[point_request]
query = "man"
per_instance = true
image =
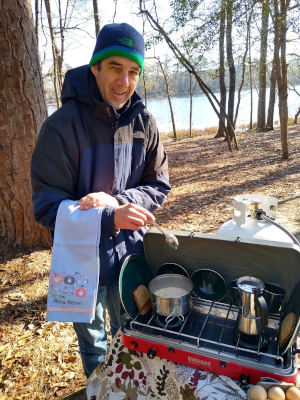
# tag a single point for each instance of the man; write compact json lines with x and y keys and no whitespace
{"x":102,"y":148}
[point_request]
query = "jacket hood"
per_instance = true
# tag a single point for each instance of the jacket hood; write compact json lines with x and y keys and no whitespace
{"x":76,"y":85}
{"x":80,"y":84}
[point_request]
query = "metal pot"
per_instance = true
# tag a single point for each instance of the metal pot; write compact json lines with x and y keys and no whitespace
{"x":233,"y":294}
{"x":175,"y":306}
{"x":274,"y":296}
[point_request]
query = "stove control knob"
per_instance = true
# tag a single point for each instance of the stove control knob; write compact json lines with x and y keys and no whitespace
{"x":133,"y":345}
{"x":244,"y":379}
{"x":151,"y":353}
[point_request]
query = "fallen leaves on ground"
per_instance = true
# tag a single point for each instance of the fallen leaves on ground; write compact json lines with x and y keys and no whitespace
{"x":39,"y":359}
{"x":206,"y":177}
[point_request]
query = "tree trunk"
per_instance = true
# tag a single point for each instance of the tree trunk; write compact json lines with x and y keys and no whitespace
{"x":222,"y":71}
{"x":169,"y":98}
{"x":284,"y":4}
{"x":296,"y":116}
{"x":55,"y":54}
{"x":96,"y":17}
{"x":116,"y":4}
{"x":248,"y":22}
{"x":261,"y":108}
{"x":281,"y":71}
{"x":145,"y":87}
{"x":251,"y":88}
{"x":270,"y":118}
{"x":191,"y":105}
{"x":231,"y":66}
{"x":144,"y":76}
{"x":23,"y":110}
{"x":37,"y":22}
{"x":61,"y":54}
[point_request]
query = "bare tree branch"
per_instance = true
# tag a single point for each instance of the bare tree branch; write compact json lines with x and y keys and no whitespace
{"x":116,"y":3}
{"x":189,"y":67}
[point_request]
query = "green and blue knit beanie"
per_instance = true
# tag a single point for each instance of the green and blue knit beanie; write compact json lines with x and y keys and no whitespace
{"x":119,"y":40}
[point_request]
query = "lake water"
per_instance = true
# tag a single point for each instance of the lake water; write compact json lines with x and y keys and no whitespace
{"x":203,"y":113}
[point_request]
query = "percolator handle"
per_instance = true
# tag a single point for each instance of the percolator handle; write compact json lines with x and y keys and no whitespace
{"x":262,"y":305}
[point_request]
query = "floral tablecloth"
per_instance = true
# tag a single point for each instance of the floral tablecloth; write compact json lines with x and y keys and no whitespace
{"x":126,"y":374}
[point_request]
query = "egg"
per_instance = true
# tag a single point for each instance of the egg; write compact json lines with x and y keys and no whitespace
{"x":292,"y":394}
{"x":258,"y":393}
{"x":276,"y":393}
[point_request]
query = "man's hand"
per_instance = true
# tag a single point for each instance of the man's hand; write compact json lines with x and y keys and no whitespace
{"x":127,"y":216}
{"x":98,"y":199}
{"x":131,"y":216}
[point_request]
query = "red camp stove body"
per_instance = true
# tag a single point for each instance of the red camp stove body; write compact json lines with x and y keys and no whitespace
{"x":217,"y":349}
{"x":208,"y":338}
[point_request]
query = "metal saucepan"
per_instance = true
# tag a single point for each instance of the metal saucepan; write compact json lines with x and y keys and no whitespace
{"x":274,"y":296}
{"x":233,"y":293}
{"x":163,"y":291}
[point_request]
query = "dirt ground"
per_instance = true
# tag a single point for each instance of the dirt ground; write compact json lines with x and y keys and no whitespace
{"x":39,"y":359}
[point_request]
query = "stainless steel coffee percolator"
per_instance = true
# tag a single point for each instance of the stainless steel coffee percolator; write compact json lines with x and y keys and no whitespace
{"x":253,"y":310}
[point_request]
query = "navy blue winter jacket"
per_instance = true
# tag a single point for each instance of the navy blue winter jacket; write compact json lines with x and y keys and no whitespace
{"x":86,"y":147}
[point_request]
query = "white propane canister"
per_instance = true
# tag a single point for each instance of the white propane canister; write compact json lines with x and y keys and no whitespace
{"x":245,"y":225}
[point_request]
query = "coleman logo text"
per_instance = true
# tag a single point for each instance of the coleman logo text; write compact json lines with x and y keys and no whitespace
{"x":199,"y":362}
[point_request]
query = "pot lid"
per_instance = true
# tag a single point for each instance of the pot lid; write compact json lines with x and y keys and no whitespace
{"x":208,"y":285}
{"x":171,"y":268}
{"x":293,"y":305}
{"x":135,"y":271}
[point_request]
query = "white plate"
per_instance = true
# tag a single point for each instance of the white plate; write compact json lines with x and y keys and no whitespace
{"x":293,"y":337}
{"x":248,"y":394}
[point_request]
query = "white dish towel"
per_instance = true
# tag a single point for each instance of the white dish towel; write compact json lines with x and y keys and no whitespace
{"x":75,"y":266}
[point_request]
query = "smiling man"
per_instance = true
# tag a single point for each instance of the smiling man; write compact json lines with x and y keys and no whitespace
{"x":102,"y":148}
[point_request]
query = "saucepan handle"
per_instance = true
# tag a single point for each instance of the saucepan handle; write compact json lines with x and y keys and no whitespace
{"x":173,"y":313}
{"x":228,"y":295}
{"x":283,"y":304}
{"x":170,"y":317}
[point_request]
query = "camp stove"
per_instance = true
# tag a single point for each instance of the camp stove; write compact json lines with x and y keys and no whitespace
{"x":208,"y":338}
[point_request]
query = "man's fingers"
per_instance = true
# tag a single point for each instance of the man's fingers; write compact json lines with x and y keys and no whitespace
{"x":85,"y":200}
{"x":98,"y":199}
{"x":137,"y":216}
{"x":127,"y":216}
{"x":144,"y":212}
{"x":138,"y":221}
{"x":131,"y":216}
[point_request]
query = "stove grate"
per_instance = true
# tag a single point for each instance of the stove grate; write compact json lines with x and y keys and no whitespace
{"x":216,"y":318}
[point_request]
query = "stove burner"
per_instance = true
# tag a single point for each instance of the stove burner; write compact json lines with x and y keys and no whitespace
{"x":251,"y":341}
{"x":161,"y":321}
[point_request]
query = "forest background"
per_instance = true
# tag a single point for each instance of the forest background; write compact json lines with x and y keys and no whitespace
{"x":193,"y":47}
{"x":229,"y":46}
